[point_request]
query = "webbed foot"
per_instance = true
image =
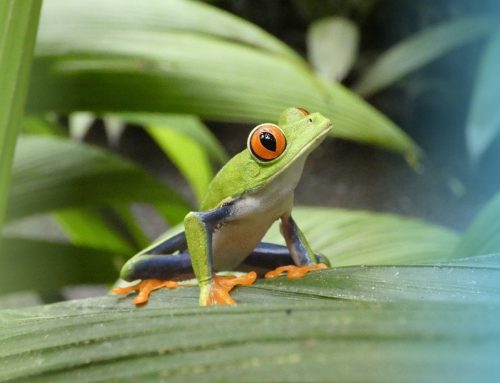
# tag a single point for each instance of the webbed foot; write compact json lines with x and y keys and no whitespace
{"x":294,"y":272}
{"x":144,"y":289}
{"x":217,"y":292}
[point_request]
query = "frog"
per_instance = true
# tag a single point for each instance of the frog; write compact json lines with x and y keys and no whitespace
{"x":251,"y":191}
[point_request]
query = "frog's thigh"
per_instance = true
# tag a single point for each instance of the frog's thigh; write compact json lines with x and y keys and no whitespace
{"x":145,"y":262}
{"x":164,"y":267}
{"x":200,"y":227}
{"x":268,"y":256}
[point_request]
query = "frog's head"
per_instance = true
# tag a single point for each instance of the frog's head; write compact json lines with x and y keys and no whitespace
{"x":275,"y":147}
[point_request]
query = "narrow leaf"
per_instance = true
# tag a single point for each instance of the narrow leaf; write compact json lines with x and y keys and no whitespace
{"x":187,"y":156}
{"x":18,"y":26}
{"x":188,"y":125}
{"x":332,"y":45}
{"x":483,"y":123}
{"x":53,"y":174}
{"x":483,"y":234}
{"x":420,"y":49}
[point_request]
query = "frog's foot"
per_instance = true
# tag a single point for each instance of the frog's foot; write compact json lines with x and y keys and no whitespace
{"x":144,"y":289}
{"x":222,"y":285}
{"x":294,"y":272}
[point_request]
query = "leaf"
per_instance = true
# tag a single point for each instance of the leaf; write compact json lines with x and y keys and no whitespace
{"x":18,"y":26}
{"x":53,"y":174}
{"x":286,"y":337}
{"x":349,"y":237}
{"x":43,"y":266}
{"x":41,"y":126}
{"x":483,"y":122}
{"x":89,"y":228}
{"x":161,"y":16}
{"x":483,"y":234}
{"x":184,"y":139}
{"x":420,"y":49}
{"x":188,"y":125}
{"x":332,"y":44}
{"x":124,"y":65}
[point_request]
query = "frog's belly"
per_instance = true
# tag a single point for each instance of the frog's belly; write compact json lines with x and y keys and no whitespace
{"x":239,"y":236}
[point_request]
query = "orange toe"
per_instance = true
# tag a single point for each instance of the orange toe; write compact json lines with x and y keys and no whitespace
{"x":144,"y":289}
{"x":222,"y":285}
{"x":294,"y":272}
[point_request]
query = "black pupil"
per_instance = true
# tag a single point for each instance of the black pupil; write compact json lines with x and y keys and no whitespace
{"x":268,"y":141}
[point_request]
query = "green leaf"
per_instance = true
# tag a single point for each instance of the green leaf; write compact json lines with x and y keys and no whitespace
{"x":350,"y":237}
{"x":160,"y":16}
{"x":184,"y":139}
{"x":41,"y":126}
{"x":54,"y":174}
{"x":90,"y":228}
{"x":332,"y":45}
{"x":188,"y":157}
{"x":420,"y":49}
{"x":483,"y":234}
{"x":188,"y":125}
{"x":287,"y":336}
{"x":18,"y":26}
{"x":43,"y":266}
{"x":483,"y":123}
{"x":123,"y":65}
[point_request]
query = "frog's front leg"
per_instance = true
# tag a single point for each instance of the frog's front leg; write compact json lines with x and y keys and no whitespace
{"x":200,"y":227}
{"x":301,"y":253}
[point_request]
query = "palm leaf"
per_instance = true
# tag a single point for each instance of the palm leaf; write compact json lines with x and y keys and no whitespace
{"x":289,"y":335}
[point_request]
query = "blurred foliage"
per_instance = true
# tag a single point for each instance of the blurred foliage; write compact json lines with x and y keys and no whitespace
{"x":154,"y":66}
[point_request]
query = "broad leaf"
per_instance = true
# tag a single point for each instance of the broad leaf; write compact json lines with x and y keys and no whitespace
{"x":483,"y":124}
{"x":53,"y":174}
{"x":332,"y":45}
{"x":18,"y":26}
{"x":483,"y":234}
{"x":420,"y":49}
{"x":100,"y":66}
{"x":289,"y":336}
{"x":42,"y":266}
{"x":350,"y":237}
{"x":90,"y":228}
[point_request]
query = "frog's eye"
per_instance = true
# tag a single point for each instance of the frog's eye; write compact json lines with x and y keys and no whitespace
{"x":303,"y":111}
{"x":266,"y":142}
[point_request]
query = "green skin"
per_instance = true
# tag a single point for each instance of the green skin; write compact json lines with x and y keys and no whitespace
{"x":243,"y":201}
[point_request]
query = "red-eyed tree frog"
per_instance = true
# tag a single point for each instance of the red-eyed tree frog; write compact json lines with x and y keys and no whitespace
{"x":254,"y":189}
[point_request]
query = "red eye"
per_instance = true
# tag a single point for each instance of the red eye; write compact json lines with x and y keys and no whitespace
{"x":266,"y":142}
{"x":304,"y":112}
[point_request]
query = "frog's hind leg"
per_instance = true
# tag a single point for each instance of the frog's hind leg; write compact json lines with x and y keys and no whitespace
{"x":303,"y":258}
{"x":270,"y":256}
{"x":157,"y":267}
